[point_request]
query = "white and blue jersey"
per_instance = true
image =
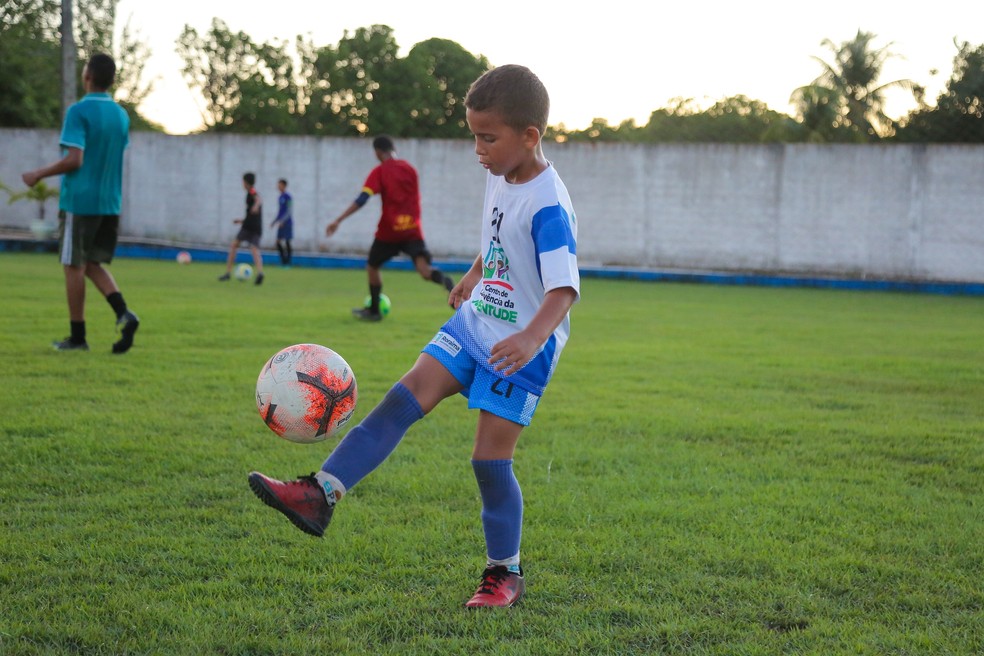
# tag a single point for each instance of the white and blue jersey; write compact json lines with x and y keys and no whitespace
{"x":529,"y":247}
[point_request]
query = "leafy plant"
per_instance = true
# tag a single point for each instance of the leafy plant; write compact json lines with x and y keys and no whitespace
{"x":39,"y":193}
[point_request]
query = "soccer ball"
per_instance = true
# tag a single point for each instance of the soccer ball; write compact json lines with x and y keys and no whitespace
{"x":244,"y":272}
{"x":384,"y":304}
{"x":306,"y":393}
{"x":183,"y":257}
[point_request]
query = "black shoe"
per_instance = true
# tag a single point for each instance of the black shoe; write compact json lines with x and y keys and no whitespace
{"x":128,"y":324}
{"x":259,"y":279}
{"x":225,"y":276}
{"x":366,"y":314}
{"x":68,"y":345}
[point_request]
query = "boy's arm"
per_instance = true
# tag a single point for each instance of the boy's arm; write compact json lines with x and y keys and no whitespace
{"x":513,"y":352}
{"x":462,"y":291}
{"x":282,"y":213}
{"x":349,"y":211}
{"x":70,"y":162}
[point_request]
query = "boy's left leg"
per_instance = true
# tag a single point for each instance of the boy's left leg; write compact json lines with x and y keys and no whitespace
{"x":257,"y":262}
{"x":427,"y":271}
{"x":230,"y":260}
{"x":126,"y":321}
{"x":502,"y":511}
{"x":309,"y":501}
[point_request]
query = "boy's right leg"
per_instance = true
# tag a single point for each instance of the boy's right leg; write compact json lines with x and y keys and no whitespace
{"x":230,"y":260}
{"x":309,"y":501}
{"x":75,"y":295}
{"x":372,"y":312}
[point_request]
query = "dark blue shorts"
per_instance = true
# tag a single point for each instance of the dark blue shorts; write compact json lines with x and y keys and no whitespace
{"x":285,"y":230}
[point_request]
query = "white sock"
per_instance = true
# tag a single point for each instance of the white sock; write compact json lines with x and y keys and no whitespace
{"x":512,"y":563}
{"x":331,"y":486}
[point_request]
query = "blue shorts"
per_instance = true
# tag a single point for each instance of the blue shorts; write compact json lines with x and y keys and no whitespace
{"x":484,"y":389}
{"x":285,"y":229}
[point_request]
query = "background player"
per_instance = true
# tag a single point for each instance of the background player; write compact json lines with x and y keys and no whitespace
{"x":94,"y":135}
{"x":284,"y":223}
{"x":399,"y":229}
{"x":250,"y":230}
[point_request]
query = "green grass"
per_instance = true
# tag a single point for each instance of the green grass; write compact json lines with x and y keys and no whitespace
{"x":714,"y":470}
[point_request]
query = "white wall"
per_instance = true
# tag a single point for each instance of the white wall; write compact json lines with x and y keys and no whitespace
{"x":882,"y":211}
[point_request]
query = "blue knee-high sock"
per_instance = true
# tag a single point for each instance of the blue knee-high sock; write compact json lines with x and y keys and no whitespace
{"x":502,"y":507}
{"x":367,"y":445}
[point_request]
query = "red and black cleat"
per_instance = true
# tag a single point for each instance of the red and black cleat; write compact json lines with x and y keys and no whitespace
{"x":499,"y":588}
{"x":302,"y":500}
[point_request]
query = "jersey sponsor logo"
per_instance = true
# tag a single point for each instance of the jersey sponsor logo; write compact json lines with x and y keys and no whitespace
{"x":447,"y":343}
{"x":404,"y":222}
{"x":496,"y":289}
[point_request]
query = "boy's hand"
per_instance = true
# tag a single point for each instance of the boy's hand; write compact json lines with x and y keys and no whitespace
{"x":331,"y":228}
{"x":30,"y":178}
{"x":461,"y":292}
{"x":237,"y":221}
{"x":513,"y":352}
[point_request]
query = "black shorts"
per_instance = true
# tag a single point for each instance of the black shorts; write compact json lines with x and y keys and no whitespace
{"x":88,"y":239}
{"x":383,"y":251}
{"x":250,"y":237}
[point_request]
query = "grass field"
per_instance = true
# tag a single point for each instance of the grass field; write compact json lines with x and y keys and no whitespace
{"x":713,"y":470}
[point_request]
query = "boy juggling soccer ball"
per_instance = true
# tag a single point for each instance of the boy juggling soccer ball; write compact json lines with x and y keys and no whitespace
{"x":500,"y":347}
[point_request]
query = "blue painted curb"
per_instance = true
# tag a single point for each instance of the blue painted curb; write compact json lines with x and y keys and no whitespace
{"x":150,"y":251}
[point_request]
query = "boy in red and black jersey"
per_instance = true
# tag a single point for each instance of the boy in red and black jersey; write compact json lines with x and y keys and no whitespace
{"x":399,"y":229}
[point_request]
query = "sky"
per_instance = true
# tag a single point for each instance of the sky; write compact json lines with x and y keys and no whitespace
{"x":606,"y":60}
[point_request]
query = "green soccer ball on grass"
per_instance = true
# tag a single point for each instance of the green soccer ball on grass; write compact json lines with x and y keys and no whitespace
{"x":384,"y":304}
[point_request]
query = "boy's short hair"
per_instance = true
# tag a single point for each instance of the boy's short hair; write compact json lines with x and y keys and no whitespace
{"x":513,"y":92}
{"x":384,"y":144}
{"x":249,"y":178}
{"x":102,"y":70}
{"x":283,"y":181}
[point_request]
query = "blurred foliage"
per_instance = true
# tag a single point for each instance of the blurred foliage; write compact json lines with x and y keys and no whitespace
{"x":30,"y":49}
{"x":361,"y":86}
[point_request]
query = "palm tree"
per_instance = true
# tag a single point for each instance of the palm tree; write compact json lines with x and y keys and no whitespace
{"x":854,"y":76}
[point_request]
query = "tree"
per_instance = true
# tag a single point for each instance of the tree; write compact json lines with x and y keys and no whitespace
{"x":737,"y":119}
{"x":362,"y":86}
{"x":959,"y":110}
{"x":346,"y":77}
{"x":443,"y":73}
{"x":820,"y":121}
{"x":854,"y":75}
{"x":30,"y":86}
{"x":30,"y":51}
{"x":247,"y":87}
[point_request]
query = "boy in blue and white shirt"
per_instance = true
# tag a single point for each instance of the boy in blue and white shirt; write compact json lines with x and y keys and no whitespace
{"x":499,"y":349}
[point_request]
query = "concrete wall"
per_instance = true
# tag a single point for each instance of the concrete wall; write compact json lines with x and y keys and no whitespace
{"x":884,"y":211}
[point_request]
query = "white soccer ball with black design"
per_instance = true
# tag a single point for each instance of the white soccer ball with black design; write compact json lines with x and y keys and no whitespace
{"x":244,"y":272}
{"x":306,"y":393}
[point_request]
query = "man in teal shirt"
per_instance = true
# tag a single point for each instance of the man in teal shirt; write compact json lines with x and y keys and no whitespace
{"x":94,"y":135}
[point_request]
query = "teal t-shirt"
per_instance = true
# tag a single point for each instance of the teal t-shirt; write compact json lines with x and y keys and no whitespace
{"x":100,"y":129}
